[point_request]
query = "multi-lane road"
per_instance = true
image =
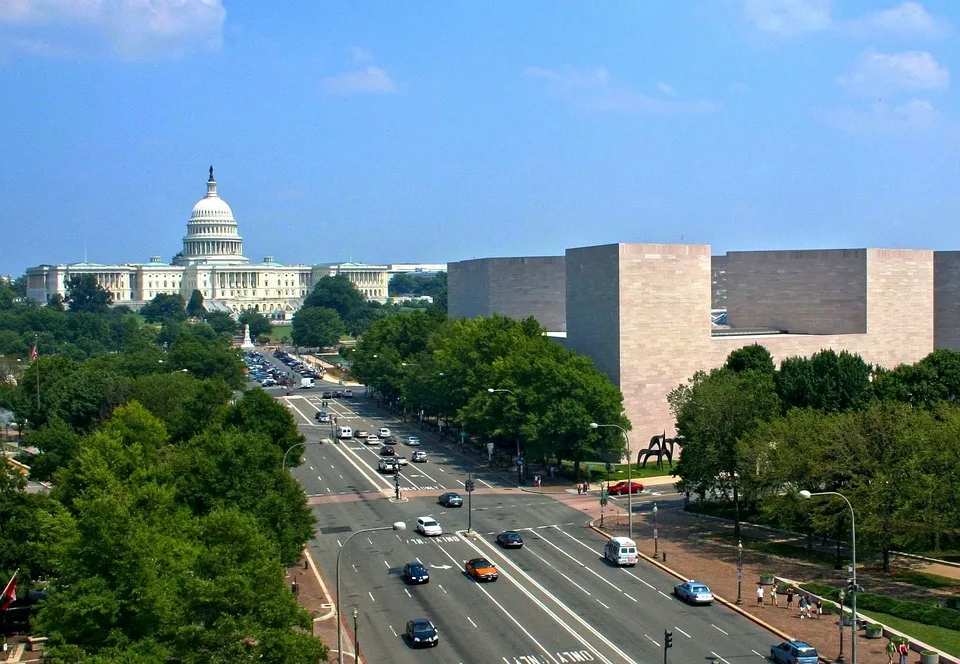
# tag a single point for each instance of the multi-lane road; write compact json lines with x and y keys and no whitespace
{"x":556,"y":601}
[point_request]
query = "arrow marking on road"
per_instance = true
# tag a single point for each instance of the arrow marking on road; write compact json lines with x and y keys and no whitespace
{"x":441,"y":566}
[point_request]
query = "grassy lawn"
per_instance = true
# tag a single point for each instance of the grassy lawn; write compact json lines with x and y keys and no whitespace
{"x":280,"y":334}
{"x":947,"y":640}
{"x":619,"y":470}
{"x":785,"y":550}
{"x":924,"y":580}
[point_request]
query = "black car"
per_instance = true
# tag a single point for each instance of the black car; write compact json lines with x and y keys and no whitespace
{"x":421,"y":632}
{"x":415,"y":573}
{"x":509,"y":539}
{"x":451,"y":499}
{"x":386,"y":450}
{"x":338,"y":394}
{"x":327,"y":395}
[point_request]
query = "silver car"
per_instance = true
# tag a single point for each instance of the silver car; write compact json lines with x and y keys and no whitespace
{"x":693,"y":592}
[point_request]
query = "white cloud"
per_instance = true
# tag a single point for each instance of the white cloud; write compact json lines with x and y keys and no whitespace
{"x":788,"y":17}
{"x":882,"y":117}
{"x":907,"y":18}
{"x":666,"y":88}
{"x":596,"y":90}
{"x":128,"y":28}
{"x":369,"y":80}
{"x":876,"y":72}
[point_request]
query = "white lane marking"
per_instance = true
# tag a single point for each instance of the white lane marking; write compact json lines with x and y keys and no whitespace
{"x":408,"y":593}
{"x":545,"y":593}
{"x":471,"y":622}
{"x":310,"y":467}
{"x":489,"y":486}
{"x":354,"y":568}
{"x":719,"y":630}
{"x":685,"y":634}
{"x":344,"y":453}
{"x":443,"y":589}
{"x":757,"y":654}
{"x":371,"y":596}
{"x":329,"y":490}
{"x":291,"y":406}
{"x":628,"y":597}
{"x":535,"y":555}
{"x":603,"y":605}
{"x":600,"y":553}
{"x":665,"y":594}
{"x":582,"y":565}
{"x":719,"y":657}
{"x":651,"y":641}
{"x":387,"y":564}
{"x":392,"y":630}
{"x":319,"y":479}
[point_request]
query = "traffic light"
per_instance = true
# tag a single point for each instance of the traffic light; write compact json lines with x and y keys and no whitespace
{"x":851,"y":585}
{"x":667,"y":639}
{"x":469,"y":486}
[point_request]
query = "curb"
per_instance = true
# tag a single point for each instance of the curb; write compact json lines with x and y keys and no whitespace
{"x":672,"y":572}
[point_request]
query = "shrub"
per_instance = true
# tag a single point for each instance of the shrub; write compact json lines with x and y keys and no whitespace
{"x":927,"y":613}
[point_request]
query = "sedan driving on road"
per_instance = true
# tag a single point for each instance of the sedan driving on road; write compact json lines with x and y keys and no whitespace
{"x":400,"y":460}
{"x":623,"y":488}
{"x":510,"y":540}
{"x":794,"y":652}
{"x":693,"y":592}
{"x":415,"y":573}
{"x":421,"y":632}
{"x":451,"y":499}
{"x":371,"y":440}
{"x":413,"y":441}
{"x":362,"y":433}
{"x":384,"y":432}
{"x":386,"y":450}
{"x":388,"y":466}
{"x":481,"y":569}
{"x":419,"y":456}
{"x":428,"y":526}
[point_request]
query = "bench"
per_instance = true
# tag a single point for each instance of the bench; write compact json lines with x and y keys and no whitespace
{"x":35,"y":643}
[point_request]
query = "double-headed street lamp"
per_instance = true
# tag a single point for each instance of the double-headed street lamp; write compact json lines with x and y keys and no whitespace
{"x":594,"y":425}
{"x":399,"y":525}
{"x":806,"y":495}
{"x":493,"y":390}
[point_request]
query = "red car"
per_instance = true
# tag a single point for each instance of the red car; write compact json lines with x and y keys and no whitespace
{"x":623,"y":488}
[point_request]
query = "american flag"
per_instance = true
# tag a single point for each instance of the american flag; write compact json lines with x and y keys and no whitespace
{"x":33,"y":351}
{"x":9,"y":595}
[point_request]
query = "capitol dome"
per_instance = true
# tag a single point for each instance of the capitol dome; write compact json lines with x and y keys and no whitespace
{"x":212,"y":235}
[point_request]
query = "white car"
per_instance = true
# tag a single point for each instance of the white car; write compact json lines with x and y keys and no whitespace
{"x":428,"y":526}
{"x":372,"y":440}
{"x":413,"y":441}
{"x":401,"y":460}
{"x":384,"y":432}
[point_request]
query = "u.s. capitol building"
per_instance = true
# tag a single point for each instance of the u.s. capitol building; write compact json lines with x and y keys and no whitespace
{"x":213,"y":263}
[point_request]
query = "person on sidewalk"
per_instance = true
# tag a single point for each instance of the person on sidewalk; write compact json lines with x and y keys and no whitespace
{"x":891,"y":651}
{"x":579,"y":489}
{"x":819,"y":608}
{"x":773,"y":595}
{"x":803,"y":606}
{"x":760,"y":595}
{"x":790,"y":598}
{"x":904,"y":652}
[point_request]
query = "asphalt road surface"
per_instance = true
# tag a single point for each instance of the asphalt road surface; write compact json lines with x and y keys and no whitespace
{"x":556,"y":601}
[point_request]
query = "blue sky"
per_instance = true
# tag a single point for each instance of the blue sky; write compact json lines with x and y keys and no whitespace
{"x":411,"y":131}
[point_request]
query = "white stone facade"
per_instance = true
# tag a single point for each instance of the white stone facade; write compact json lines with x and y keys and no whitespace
{"x":213,"y":263}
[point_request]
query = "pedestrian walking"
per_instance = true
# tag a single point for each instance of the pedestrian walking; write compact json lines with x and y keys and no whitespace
{"x":579,"y":489}
{"x":904,"y":652}
{"x":790,"y":598}
{"x":760,"y":595}
{"x":819,"y":608}
{"x":773,"y":595}
{"x":803,"y":607}
{"x":891,"y":651}
{"x":536,"y":480}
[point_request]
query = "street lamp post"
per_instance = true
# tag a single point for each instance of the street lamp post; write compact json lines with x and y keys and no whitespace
{"x":356,"y":636}
{"x":739,"y":572}
{"x":399,"y":525}
{"x":655,"y":530}
{"x":594,"y":425}
{"x":806,"y":495}
{"x":840,"y":656}
{"x":492,"y":390}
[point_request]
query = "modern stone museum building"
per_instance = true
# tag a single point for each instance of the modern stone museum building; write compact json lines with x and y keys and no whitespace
{"x":642,"y":312}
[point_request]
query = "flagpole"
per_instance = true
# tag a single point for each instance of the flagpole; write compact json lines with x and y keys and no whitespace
{"x":36,"y":361}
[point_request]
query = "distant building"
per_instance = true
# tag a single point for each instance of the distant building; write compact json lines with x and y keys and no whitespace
{"x":212,"y":262}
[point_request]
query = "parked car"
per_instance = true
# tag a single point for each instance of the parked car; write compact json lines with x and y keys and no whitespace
{"x":413,"y":441}
{"x":509,"y":539}
{"x":480,"y":569}
{"x":419,"y":456}
{"x":693,"y":592}
{"x":422,"y":633}
{"x":794,"y":652}
{"x":428,"y":526}
{"x":415,"y":573}
{"x":623,"y":488}
{"x":451,"y":499}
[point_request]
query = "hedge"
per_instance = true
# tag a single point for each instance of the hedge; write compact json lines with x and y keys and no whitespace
{"x":927,"y":613}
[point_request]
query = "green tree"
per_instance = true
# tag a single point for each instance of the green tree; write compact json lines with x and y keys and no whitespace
{"x":402,"y":283}
{"x":714,"y":412}
{"x":56,"y":302}
{"x":317,"y":327}
{"x":337,"y":293}
{"x":163,"y":308}
{"x":258,"y":412}
{"x":827,"y":381}
{"x":259,"y":325}
{"x":206,"y":357}
{"x":195,"y":305}
{"x":84,"y":294}
{"x":221,"y":322}
{"x":751,"y":358}
{"x":183,"y":403}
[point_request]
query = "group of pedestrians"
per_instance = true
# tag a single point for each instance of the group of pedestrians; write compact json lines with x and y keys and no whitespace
{"x":808,"y":608}
{"x":582,"y":488}
{"x":901,"y":651}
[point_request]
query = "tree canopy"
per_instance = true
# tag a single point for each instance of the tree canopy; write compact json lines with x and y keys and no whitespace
{"x":165,"y":307}
{"x":85,"y":295}
{"x":317,"y":327}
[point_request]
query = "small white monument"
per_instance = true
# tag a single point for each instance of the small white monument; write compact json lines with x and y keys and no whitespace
{"x":247,"y":344}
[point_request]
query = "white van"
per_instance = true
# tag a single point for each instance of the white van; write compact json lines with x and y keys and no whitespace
{"x":306,"y":383}
{"x":621,"y":551}
{"x":344,"y":432}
